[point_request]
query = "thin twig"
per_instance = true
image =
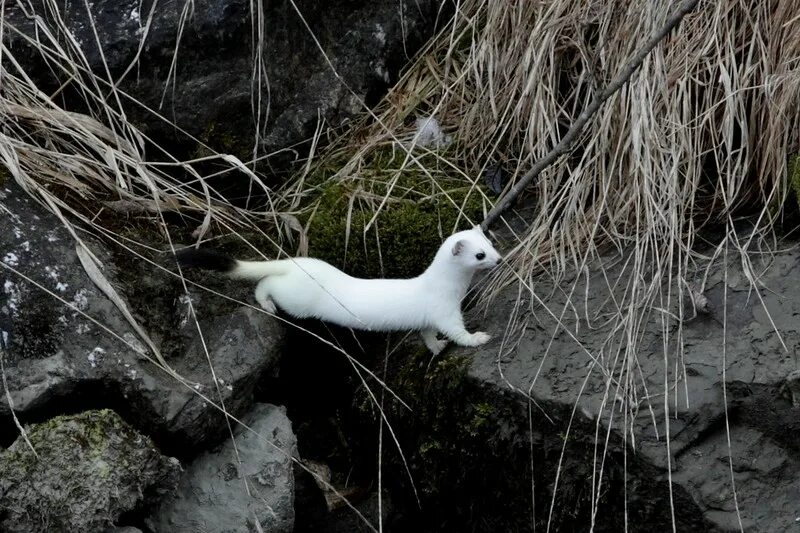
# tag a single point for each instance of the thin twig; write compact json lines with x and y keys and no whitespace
{"x":565,"y":144}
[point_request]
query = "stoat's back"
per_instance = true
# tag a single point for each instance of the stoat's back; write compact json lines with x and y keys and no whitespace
{"x":375,"y":304}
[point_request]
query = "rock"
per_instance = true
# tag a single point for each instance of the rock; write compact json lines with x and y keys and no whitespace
{"x":60,"y":360}
{"x":344,"y":520}
{"x":209,"y":93}
{"x":557,"y":367}
{"x":91,"y":468}
{"x":212,"y":496}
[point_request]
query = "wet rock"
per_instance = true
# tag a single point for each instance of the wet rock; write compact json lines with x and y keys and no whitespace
{"x":212,"y":495}
{"x":91,"y":468}
{"x":58,"y":359}
{"x":209,"y":92}
{"x":561,"y":365}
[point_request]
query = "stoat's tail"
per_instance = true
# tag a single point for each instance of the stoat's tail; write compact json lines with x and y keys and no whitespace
{"x":210,"y":260}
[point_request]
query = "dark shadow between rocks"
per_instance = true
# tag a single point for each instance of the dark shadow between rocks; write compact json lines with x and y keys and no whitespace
{"x":99,"y":394}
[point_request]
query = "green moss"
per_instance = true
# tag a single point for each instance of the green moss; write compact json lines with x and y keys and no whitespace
{"x":53,"y":438}
{"x":88,"y":469}
{"x":454,"y":438}
{"x":400,"y":242}
{"x":222,"y":139}
{"x":430,"y":446}
{"x":89,"y":429}
{"x":481,"y":414}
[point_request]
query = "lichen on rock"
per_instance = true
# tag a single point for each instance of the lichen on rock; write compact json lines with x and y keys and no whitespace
{"x":91,"y":468}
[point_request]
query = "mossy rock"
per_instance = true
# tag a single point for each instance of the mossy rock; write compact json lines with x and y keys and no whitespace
{"x":458,"y":441}
{"x":418,"y":214}
{"x":88,"y":469}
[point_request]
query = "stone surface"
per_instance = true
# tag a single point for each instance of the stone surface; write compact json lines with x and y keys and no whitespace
{"x":568,"y":365}
{"x":209,"y":92}
{"x":58,"y":360}
{"x":212,"y":494}
{"x":91,"y":468}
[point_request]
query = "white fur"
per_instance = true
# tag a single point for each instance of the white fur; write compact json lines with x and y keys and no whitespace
{"x":310,"y":288}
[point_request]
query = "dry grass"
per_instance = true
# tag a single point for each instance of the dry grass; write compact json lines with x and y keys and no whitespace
{"x":698,"y":137}
{"x":701,"y":132}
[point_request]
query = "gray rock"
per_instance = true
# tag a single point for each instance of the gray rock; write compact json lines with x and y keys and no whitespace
{"x":91,"y":468}
{"x":57,"y":356}
{"x":210,"y":92}
{"x":562,"y":364}
{"x":212,"y":494}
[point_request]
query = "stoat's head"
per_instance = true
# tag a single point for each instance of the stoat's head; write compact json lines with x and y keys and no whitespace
{"x":471,"y":250}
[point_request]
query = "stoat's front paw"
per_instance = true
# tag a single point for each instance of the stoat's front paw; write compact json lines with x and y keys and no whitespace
{"x":480,"y":337}
{"x":268,"y":306}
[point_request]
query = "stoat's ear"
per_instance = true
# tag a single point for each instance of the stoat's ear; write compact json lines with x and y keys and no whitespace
{"x":458,"y":247}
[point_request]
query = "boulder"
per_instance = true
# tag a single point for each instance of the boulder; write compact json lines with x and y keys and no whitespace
{"x":229,"y":488}
{"x":569,"y":365}
{"x":209,"y":89}
{"x":72,"y":349}
{"x":86,"y":471}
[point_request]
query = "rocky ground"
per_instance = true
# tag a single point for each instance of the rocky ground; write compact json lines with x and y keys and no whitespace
{"x":538,"y":427}
{"x":514,"y":410}
{"x":753,"y":338}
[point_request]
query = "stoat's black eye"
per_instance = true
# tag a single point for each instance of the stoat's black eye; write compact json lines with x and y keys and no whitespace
{"x":479,"y":256}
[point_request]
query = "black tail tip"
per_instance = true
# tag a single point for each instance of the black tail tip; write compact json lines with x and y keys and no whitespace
{"x":205,"y":259}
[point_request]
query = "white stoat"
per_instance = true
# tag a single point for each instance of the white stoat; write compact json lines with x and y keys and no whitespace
{"x":311,"y":288}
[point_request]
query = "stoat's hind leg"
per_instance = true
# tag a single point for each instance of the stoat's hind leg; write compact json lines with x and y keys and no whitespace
{"x":262,"y":297}
{"x":434,"y":345}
